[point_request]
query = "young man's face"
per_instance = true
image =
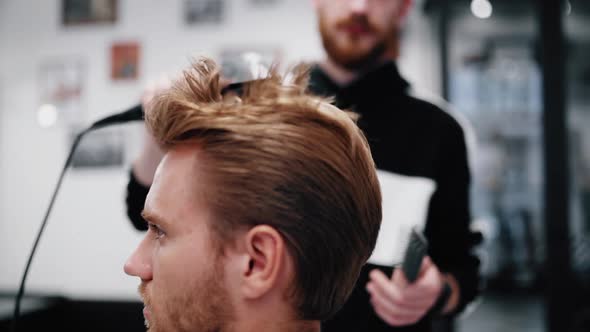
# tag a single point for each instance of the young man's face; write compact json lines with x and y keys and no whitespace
{"x":181,"y":271}
{"x":357,"y":32}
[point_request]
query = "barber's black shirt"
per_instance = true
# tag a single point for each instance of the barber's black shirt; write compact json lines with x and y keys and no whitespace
{"x":413,"y":138}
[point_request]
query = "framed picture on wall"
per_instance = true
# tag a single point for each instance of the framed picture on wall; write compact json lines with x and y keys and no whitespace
{"x":99,"y":149}
{"x":61,"y":89}
{"x":125,"y":61}
{"x":204,"y":11}
{"x":79,"y":12}
{"x":246,"y":63}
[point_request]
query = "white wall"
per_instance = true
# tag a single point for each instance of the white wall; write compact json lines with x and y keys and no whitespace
{"x":88,"y":236}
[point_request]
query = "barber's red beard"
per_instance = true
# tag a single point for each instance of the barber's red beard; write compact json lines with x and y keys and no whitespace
{"x":350,"y":57}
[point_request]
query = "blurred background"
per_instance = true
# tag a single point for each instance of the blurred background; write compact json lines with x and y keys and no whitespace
{"x":64,"y":64}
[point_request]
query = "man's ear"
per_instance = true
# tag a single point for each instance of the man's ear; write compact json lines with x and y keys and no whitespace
{"x":265,"y":249}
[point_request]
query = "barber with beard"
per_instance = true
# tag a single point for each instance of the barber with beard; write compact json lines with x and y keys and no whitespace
{"x":409,"y":138}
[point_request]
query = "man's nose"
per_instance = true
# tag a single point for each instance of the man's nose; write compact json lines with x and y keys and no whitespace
{"x":139,"y":264}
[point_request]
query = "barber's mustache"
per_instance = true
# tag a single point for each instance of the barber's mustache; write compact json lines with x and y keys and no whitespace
{"x":357,"y":20}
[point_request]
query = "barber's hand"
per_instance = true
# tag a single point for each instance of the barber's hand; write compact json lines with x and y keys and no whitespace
{"x":398,"y":302}
{"x":150,"y":155}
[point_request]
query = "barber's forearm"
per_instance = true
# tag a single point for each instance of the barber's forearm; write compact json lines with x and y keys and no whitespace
{"x":147,"y":162}
{"x":144,"y":171}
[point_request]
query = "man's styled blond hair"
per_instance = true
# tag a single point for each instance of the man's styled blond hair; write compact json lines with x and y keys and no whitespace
{"x":278,"y":156}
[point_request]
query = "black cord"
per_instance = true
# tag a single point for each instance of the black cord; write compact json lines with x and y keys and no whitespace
{"x":21,"y":289}
{"x":135,"y":113}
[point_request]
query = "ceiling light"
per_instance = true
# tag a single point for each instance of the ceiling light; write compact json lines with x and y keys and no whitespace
{"x":481,"y":8}
{"x":47,"y":115}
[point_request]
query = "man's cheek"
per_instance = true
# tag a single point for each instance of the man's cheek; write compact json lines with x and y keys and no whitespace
{"x":172,"y":268}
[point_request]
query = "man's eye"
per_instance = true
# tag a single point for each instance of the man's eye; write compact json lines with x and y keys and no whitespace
{"x":156,"y":230}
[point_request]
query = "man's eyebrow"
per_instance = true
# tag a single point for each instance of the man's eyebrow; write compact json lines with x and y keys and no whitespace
{"x":151,"y":217}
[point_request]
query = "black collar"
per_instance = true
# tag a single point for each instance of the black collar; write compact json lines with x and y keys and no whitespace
{"x":381,"y":81}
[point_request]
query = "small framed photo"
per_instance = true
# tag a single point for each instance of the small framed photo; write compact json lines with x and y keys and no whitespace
{"x":204,"y":11}
{"x":80,"y":12}
{"x":61,"y":89}
{"x":99,"y":149}
{"x":240,"y":64}
{"x":125,"y":61}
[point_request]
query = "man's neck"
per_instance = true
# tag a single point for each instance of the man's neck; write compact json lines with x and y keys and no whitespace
{"x":343,"y":76}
